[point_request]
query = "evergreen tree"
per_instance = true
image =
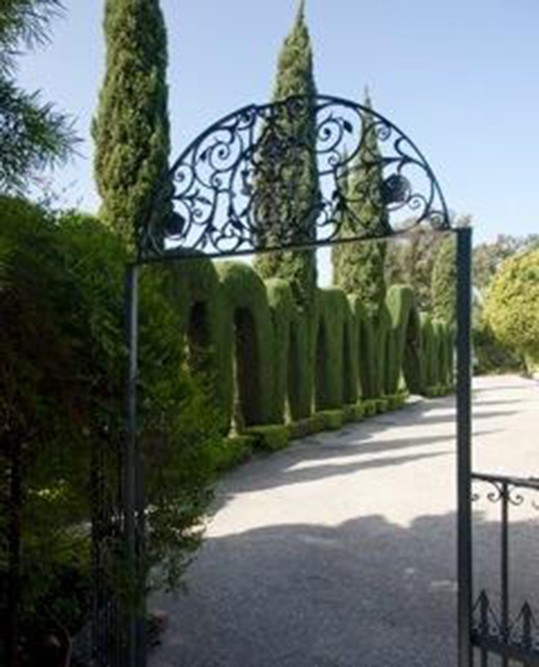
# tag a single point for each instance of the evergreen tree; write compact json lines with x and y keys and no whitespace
{"x":131,"y":129}
{"x":360,"y":268}
{"x":33,"y":135}
{"x":339,"y":251}
{"x":410,"y":261}
{"x":288,"y":191}
{"x":444,"y":281}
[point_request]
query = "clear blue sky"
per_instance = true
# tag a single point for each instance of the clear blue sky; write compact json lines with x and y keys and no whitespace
{"x":461,"y":77}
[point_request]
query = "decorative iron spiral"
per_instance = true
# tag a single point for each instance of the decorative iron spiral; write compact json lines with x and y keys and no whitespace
{"x":218,"y":209}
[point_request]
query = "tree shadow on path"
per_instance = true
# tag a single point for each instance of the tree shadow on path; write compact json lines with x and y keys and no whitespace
{"x":364,"y":593}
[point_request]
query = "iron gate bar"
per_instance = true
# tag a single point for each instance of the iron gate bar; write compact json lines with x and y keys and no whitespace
{"x":464,"y":434}
{"x":398,"y":193}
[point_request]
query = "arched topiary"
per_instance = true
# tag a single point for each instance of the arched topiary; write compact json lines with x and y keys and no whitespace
{"x":412,"y":363}
{"x":292,"y":373}
{"x":334,"y":340}
{"x":195,"y":289}
{"x":247,"y":330}
{"x":350,"y":387}
{"x":404,"y":340}
{"x":371,"y":343}
{"x":429,"y":353}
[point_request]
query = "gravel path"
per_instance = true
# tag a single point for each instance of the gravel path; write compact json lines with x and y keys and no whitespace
{"x":340,"y":550}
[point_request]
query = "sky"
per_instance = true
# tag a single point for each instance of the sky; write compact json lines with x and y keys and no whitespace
{"x":460,"y":77}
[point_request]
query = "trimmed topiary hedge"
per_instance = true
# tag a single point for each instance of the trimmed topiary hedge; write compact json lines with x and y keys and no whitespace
{"x":404,"y":341}
{"x":333,"y":419}
{"x":272,"y":363}
{"x":249,"y":344}
{"x":335,"y":361}
{"x":269,"y":437}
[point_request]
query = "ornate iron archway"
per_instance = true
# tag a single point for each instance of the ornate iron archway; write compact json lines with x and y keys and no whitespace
{"x":218,"y":211}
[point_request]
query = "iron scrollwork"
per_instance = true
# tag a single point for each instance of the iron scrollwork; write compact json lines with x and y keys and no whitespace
{"x":220,"y":210}
{"x":506,"y":489}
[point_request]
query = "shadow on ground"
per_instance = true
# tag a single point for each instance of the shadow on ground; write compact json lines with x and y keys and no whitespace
{"x":365,"y":593}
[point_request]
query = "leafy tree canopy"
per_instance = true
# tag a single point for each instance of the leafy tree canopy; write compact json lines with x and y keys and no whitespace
{"x":512,"y":305}
{"x":33,"y":134}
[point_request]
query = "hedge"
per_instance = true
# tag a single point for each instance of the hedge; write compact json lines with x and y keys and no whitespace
{"x":249,"y":344}
{"x":271,"y":362}
{"x":335,"y":361}
{"x":404,"y":341}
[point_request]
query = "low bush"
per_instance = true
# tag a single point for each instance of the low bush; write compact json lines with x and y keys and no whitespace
{"x":231,"y":451}
{"x":270,"y":437}
{"x":369,"y":407}
{"x":333,"y":419}
{"x":353,"y":413}
{"x":305,"y":427}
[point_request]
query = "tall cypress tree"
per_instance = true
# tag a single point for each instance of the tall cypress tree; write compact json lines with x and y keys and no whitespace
{"x":444,"y":281}
{"x":291,"y":187}
{"x":360,"y":266}
{"x":131,"y":129}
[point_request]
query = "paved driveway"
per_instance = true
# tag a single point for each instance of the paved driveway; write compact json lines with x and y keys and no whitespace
{"x":340,"y":551}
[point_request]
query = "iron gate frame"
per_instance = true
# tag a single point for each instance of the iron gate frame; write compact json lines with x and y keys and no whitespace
{"x":150,"y":250}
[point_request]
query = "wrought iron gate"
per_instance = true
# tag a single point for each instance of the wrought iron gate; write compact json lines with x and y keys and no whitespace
{"x":500,"y":628}
{"x":217,"y":208}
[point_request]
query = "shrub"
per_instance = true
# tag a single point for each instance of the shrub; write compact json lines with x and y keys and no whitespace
{"x":333,"y":419}
{"x":512,"y":306}
{"x":352,"y":413}
{"x":270,"y":437}
{"x":305,"y":427}
{"x":62,"y":369}
{"x":231,"y":451}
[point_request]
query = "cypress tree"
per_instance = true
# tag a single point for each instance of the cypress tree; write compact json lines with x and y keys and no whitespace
{"x":360,"y":268}
{"x":290,"y":189}
{"x":131,"y":129}
{"x":444,"y":281}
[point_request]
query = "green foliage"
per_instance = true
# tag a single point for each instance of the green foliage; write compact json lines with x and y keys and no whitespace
{"x":359,"y":267}
{"x":444,"y":281}
{"x":512,"y":305}
{"x":410,"y":261}
{"x":430,"y":367}
{"x":270,"y":437}
{"x":404,"y":341}
{"x":292,"y":361}
{"x":297,"y":171}
{"x":305,"y":427}
{"x":353,"y":413}
{"x":488,"y":257}
{"x":334,"y":359}
{"x":369,"y":407}
{"x":249,"y":345}
{"x":371,"y":342}
{"x":131,"y":128}
{"x":33,"y":135}
{"x":230,"y":452}
{"x":194,"y":287}
{"x":333,"y":419}
{"x":62,"y":368}
{"x":490,"y":356}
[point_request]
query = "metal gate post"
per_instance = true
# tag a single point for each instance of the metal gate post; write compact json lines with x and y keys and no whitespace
{"x":464,"y":437}
{"x":133,"y":500}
